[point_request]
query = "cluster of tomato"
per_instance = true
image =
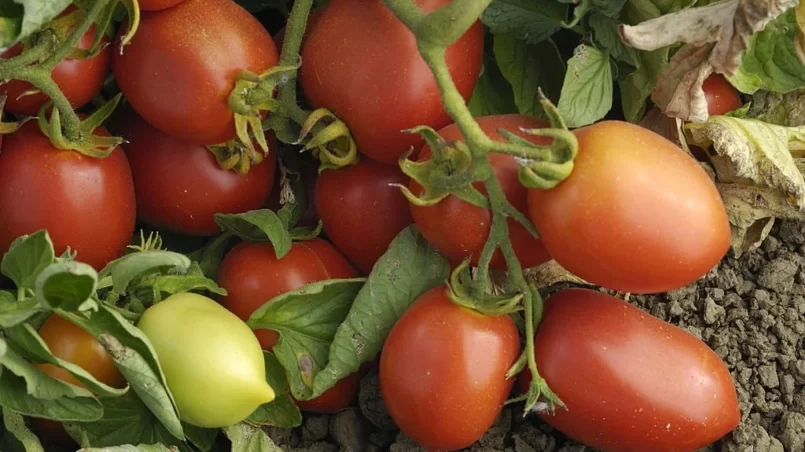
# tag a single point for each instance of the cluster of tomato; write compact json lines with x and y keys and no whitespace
{"x":629,"y":381}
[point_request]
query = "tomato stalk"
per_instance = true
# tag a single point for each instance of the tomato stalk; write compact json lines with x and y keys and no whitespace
{"x":541,"y":167}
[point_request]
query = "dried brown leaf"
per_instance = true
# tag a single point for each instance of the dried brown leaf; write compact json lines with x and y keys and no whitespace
{"x":549,"y":274}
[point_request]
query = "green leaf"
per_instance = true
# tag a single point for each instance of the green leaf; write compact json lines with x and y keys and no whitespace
{"x":307,"y":319}
{"x":29,"y":391}
{"x":639,"y":84}
{"x":258,"y":226}
{"x":740,"y":112}
{"x":13,"y":312}
{"x":529,"y":20}
{"x":33,"y":348}
{"x":27,"y":257}
{"x":771,"y":61}
{"x":493,"y":94}
{"x":210,"y":256}
{"x":15,"y":424}
{"x":66,"y":285}
{"x":3,"y":350}
{"x":246,"y":438}
{"x":21,"y":18}
{"x":605,"y":35}
{"x":281,"y":412}
{"x":126,"y":420}
{"x":130,"y":448}
{"x":132,"y":266}
{"x":408,"y":269}
{"x":136,"y":359}
{"x":587,"y":90}
{"x":528,"y":68}
{"x":202,"y":438}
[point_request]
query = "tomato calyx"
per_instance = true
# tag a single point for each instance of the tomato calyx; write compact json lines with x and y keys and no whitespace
{"x":450,"y":170}
{"x":83,"y":140}
{"x":236,"y":156}
{"x":329,"y":139}
{"x":9,"y":127}
{"x":462,"y":291}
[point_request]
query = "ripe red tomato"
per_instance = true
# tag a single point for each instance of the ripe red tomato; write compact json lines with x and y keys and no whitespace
{"x":721,"y":96}
{"x":180,"y":186}
{"x":157,"y":5}
{"x":630,"y":382}
{"x":615,"y":221}
{"x":361,"y":212}
{"x":252,"y":275}
{"x":458,"y":229}
{"x":443,"y":371}
{"x":85,"y":203}
{"x":362,"y":63}
{"x":212,"y":41}
{"x":79,"y":80}
{"x":74,"y":345}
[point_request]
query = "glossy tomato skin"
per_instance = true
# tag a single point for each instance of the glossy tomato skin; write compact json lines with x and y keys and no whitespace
{"x":721,"y":96}
{"x":252,"y":275}
{"x":458,"y":229}
{"x":85,"y":203}
{"x":212,"y":41}
{"x":361,"y":212}
{"x":615,"y":221}
{"x":79,"y":80}
{"x":363,"y":64}
{"x":157,"y":5}
{"x":631,"y":382}
{"x":180,"y":186}
{"x":443,"y":371}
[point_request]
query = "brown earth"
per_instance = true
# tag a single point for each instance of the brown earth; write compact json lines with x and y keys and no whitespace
{"x":751,"y":311}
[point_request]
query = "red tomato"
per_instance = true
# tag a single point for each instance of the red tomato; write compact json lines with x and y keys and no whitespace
{"x":74,"y":345}
{"x":615,"y":221}
{"x":79,"y":80}
{"x":443,"y":371}
{"x":180,"y":186}
{"x":630,"y":382}
{"x":361,"y":212}
{"x":85,"y":203}
{"x":458,"y":229}
{"x":211,"y":41}
{"x":157,"y":5}
{"x":721,"y":96}
{"x":363,"y":64}
{"x":252,"y":275}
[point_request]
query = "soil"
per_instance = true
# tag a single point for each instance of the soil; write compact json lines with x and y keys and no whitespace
{"x":750,"y":310}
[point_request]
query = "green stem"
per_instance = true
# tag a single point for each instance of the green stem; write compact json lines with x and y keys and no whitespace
{"x":294,"y":32}
{"x":407,"y":12}
{"x":41,"y":79}
{"x":70,"y":43}
{"x":28,"y":56}
{"x":446,"y":25}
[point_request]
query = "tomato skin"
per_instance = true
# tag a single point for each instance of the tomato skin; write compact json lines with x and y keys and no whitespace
{"x":157,"y":5}
{"x":180,"y":186}
{"x":79,"y":80}
{"x":459,"y":229}
{"x":252,"y":275}
{"x":721,"y":96}
{"x":631,"y":382}
{"x":615,"y":221}
{"x":443,"y":371}
{"x":361,"y":212}
{"x":85,"y":203}
{"x":212,"y":41}
{"x":362,"y":63}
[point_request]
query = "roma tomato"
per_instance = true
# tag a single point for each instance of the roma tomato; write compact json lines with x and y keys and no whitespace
{"x":79,"y":80}
{"x":443,"y":371}
{"x":157,"y":5}
{"x":212,"y":41}
{"x":362,"y":63}
{"x":252,"y":275}
{"x":180,"y":186}
{"x":218,"y":375}
{"x":362,"y":213}
{"x":721,"y":96}
{"x":615,"y":221}
{"x":85,"y":203}
{"x":458,"y":229}
{"x":630,"y":382}
{"x":71,"y":343}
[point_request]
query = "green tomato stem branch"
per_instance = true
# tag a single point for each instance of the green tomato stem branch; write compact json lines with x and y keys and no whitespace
{"x":75,"y":35}
{"x":446,"y":25}
{"x":294,"y":32}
